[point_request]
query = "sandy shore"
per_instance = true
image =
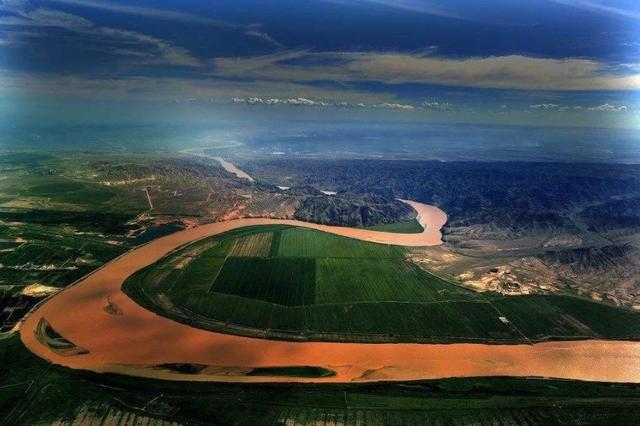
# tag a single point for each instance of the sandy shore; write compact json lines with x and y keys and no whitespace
{"x":133,"y":340}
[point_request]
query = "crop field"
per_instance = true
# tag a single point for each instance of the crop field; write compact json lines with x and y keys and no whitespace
{"x":342,"y":280}
{"x":410,"y":227}
{"x":253,"y":245}
{"x":566,"y":317}
{"x":295,"y":283}
{"x":68,"y":191}
{"x":285,"y":281}
{"x":54,"y":229}
{"x":302,"y":242}
{"x":52,"y":256}
{"x":56,"y":189}
{"x":314,"y":284}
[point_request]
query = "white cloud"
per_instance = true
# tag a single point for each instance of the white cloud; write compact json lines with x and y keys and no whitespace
{"x":175,"y":89}
{"x":277,"y":101}
{"x":257,"y":33}
{"x":570,"y":108}
{"x":25,"y":15}
{"x":608,"y":108}
{"x":435,"y":105}
{"x":599,"y":6}
{"x":166,"y":52}
{"x":299,"y":101}
{"x":149,"y":12}
{"x":415,"y":6}
{"x":252,"y":30}
{"x":389,"y":105}
{"x":544,"y":106}
{"x":161,"y":51}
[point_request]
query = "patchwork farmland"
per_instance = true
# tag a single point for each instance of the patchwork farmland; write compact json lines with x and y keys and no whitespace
{"x":293,"y":283}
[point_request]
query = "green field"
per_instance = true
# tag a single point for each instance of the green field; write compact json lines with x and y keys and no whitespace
{"x":283,"y":281}
{"x":296,"y":283}
{"x":50,"y":245}
{"x":410,"y":227}
{"x":70,"y":191}
{"x":32,"y":391}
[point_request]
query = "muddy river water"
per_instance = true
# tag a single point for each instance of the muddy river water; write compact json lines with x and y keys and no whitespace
{"x":132,"y":340}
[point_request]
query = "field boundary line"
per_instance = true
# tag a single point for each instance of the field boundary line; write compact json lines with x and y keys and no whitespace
{"x":215,"y":277}
{"x":515,"y":327}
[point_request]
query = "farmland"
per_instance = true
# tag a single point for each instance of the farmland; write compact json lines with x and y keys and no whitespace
{"x":51,"y":256}
{"x":293,"y":283}
{"x":63,"y":216}
{"x":409,"y":227}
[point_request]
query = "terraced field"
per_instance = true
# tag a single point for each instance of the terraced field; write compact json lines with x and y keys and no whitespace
{"x":293,"y":283}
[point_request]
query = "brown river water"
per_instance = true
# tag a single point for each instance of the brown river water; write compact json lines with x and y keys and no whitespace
{"x":135,"y":339}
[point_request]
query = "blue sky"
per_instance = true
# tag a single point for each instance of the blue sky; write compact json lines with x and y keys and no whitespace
{"x":544,"y":62}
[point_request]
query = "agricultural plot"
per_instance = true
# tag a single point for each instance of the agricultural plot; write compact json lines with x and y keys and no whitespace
{"x":42,"y":248}
{"x":69,"y":191}
{"x":395,"y":321}
{"x":565,"y":317}
{"x":342,"y":280}
{"x":302,"y":242}
{"x":410,"y":227}
{"x":285,"y":281}
{"x":51,"y":255}
{"x":253,"y":245}
{"x":44,"y":256}
{"x":48,"y":260}
{"x":297,"y":283}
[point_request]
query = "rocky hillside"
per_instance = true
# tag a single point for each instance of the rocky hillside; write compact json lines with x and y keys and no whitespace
{"x":592,"y":259}
{"x":352,"y":210}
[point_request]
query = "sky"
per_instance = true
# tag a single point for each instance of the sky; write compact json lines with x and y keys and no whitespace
{"x":533,"y":62}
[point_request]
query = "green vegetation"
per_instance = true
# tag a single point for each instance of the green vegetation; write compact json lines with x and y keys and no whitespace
{"x":55,"y":254}
{"x":305,"y":371}
{"x":58,"y":189}
{"x":296,"y":283}
{"x":51,"y":248}
{"x":410,"y":227}
{"x":182,"y":368}
{"x":34,"y":392}
{"x":379,"y":280}
{"x":304,"y":242}
{"x":285,"y":281}
{"x":568,"y":317}
{"x":68,"y":191}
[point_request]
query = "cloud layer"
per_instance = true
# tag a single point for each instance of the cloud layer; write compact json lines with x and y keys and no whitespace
{"x":500,"y":72}
{"x":606,"y":107}
{"x":86,"y":49}
{"x":253,"y":100}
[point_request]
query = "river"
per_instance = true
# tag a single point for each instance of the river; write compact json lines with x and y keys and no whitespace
{"x":134,"y":340}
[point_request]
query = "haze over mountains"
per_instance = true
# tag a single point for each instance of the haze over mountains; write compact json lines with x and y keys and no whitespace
{"x":353,"y":139}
